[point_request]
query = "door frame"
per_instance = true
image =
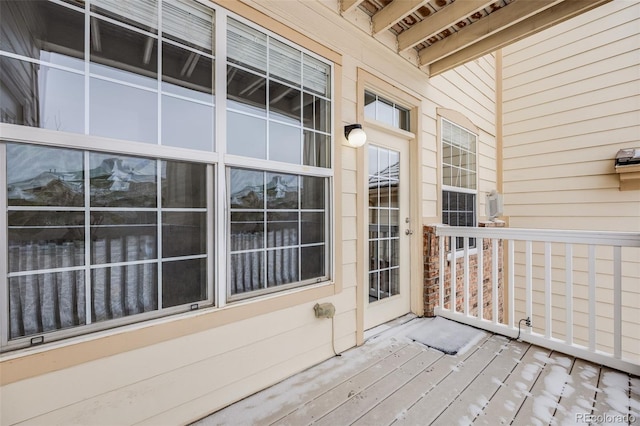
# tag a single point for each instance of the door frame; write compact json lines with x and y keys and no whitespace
{"x":380,"y":86}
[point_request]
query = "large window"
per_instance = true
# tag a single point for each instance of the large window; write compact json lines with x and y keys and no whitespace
{"x":459,"y":177}
{"x":278,"y":110}
{"x":99,"y":234}
{"x":94,"y":237}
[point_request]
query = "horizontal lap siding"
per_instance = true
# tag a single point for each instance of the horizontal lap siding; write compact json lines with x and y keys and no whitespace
{"x":571,"y":101}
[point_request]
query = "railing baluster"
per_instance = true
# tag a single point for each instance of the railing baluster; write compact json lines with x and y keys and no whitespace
{"x":494,"y":279}
{"x":592,"y":297}
{"x":454,"y":280}
{"x":528,"y":297}
{"x":466,"y":275}
{"x":480,"y":248}
{"x":547,"y":290}
{"x":617,"y":302}
{"x":443,"y":255}
{"x":512,"y":298}
{"x":568,"y":264}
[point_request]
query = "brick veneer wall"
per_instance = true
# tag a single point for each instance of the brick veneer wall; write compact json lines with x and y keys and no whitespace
{"x":431,"y":258}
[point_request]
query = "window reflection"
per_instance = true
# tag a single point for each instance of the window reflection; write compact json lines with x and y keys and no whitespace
{"x":41,"y":96}
{"x":49,"y":252}
{"x":121,"y":181}
{"x":246,"y":91}
{"x":187,"y":73}
{"x":184,"y":184}
{"x":31,"y":28}
{"x":42,"y":176}
{"x":128,"y":55}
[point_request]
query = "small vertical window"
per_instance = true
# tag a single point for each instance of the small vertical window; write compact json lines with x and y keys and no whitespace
{"x":459,"y":177}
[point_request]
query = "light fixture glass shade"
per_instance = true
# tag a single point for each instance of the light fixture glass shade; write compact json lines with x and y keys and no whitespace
{"x":357,"y":137}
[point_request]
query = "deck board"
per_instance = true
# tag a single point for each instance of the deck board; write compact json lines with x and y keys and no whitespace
{"x":429,"y":407}
{"x":393,"y":380}
{"x":369,"y":398}
{"x":336,"y":396}
{"x":388,"y":410}
{"x":505,"y":403}
{"x":576,"y":404}
{"x":470,"y":403}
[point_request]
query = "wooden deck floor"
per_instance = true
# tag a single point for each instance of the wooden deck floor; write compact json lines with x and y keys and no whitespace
{"x":394,"y":380}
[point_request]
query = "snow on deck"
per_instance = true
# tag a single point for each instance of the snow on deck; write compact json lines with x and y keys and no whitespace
{"x":393,"y":379}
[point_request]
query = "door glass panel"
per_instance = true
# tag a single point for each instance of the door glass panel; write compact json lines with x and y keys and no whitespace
{"x":384,"y":214}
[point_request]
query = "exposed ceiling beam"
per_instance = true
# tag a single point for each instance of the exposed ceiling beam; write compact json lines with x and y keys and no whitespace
{"x":510,"y":15}
{"x":349,"y":5}
{"x":439,"y":21}
{"x":393,"y":13}
{"x":539,"y":22}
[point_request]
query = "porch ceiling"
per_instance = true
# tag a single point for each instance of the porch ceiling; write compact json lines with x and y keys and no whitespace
{"x":448,"y":33}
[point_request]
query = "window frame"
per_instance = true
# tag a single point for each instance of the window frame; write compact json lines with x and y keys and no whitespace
{"x":457,"y":189}
{"x":395,"y":107}
{"x":217,"y":162}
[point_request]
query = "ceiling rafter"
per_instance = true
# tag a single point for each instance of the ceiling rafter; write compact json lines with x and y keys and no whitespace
{"x":393,"y":13}
{"x":531,"y":25}
{"x":349,"y":5}
{"x":515,"y":12}
{"x":438,"y":35}
{"x":438,"y":22}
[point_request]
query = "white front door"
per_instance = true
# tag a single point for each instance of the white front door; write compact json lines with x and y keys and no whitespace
{"x":388,"y":275}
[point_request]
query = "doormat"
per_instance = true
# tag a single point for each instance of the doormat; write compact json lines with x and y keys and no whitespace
{"x":446,"y":336}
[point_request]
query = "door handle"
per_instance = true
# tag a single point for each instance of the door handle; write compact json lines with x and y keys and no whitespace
{"x":408,"y":232}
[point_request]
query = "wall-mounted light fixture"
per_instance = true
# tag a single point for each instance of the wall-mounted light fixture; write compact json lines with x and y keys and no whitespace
{"x":355,"y":135}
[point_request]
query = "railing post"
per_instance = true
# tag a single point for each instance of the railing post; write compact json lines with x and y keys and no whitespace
{"x":568,"y":293}
{"x":528,"y":298}
{"x":494,"y":279}
{"x":547,"y":291}
{"x":617,"y":302}
{"x":480,"y":279}
{"x":454,"y":280}
{"x":591,"y":260}
{"x":442,"y":255}
{"x":512,"y":298}
{"x":465,"y":269}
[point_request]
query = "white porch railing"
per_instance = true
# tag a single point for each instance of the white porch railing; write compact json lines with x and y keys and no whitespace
{"x":569,"y":283}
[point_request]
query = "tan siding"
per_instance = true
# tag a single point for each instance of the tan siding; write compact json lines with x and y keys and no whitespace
{"x":571,"y":101}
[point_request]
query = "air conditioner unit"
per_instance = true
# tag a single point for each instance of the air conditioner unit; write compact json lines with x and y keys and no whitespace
{"x":493,"y":206}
